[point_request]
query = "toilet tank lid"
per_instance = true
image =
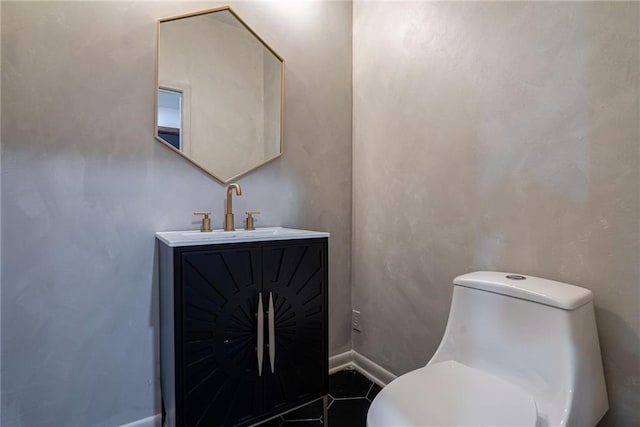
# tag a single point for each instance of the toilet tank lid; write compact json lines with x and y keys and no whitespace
{"x":536,"y":289}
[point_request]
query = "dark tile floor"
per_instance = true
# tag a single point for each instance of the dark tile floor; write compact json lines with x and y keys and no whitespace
{"x":350,"y":395}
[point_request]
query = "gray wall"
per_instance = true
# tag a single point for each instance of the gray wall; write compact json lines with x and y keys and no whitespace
{"x":85,"y":186}
{"x":0,"y":214}
{"x":496,"y":136}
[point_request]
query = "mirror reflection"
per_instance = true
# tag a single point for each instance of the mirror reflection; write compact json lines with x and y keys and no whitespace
{"x":170,"y":116}
{"x":220,"y":93}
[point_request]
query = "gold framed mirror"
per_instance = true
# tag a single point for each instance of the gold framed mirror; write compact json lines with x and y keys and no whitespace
{"x":219,"y":93}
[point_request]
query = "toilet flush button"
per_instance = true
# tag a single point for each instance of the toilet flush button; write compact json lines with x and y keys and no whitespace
{"x":515,"y":277}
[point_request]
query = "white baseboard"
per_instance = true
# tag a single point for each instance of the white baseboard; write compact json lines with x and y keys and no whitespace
{"x":152,"y":421}
{"x":347,"y":360}
{"x":372,"y":370}
{"x":341,"y":361}
{"x":353,"y":360}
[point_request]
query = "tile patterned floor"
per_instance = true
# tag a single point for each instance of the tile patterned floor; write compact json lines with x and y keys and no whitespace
{"x":350,"y":395}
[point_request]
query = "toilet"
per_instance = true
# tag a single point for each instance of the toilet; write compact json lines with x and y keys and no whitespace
{"x":517,"y":351}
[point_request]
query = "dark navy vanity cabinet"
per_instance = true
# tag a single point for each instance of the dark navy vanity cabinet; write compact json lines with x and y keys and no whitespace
{"x":243,"y":330}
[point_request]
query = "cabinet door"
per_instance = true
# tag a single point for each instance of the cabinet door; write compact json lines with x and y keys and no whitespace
{"x":220,"y":378}
{"x":294,"y":277}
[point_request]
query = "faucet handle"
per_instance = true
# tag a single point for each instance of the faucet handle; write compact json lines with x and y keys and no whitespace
{"x":249,"y":222}
{"x":206,"y":221}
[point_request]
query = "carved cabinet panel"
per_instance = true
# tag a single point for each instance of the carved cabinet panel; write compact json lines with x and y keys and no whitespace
{"x":243,"y":330}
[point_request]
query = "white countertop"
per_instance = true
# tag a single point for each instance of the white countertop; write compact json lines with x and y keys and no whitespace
{"x":217,"y":237}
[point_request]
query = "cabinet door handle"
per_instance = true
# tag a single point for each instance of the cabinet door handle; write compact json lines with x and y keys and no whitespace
{"x":260,"y":347}
{"x":272,"y":334}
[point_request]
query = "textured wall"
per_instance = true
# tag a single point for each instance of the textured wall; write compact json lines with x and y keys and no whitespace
{"x":0,"y":212}
{"x":496,"y":136}
{"x":85,"y":186}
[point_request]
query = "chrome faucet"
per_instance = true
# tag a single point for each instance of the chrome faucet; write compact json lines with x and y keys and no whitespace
{"x":228,"y":210}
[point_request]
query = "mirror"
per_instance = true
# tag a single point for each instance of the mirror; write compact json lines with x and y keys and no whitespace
{"x":220,"y":93}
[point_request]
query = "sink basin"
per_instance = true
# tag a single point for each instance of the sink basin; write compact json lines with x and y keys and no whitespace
{"x":196,"y":237}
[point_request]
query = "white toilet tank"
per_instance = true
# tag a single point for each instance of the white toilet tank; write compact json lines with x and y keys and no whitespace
{"x":536,"y":333}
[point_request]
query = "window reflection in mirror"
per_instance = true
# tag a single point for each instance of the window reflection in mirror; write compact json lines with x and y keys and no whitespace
{"x":170,"y":116}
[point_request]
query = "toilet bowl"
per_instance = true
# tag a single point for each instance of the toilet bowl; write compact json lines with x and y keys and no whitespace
{"x":517,"y":351}
{"x":452,"y":394}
